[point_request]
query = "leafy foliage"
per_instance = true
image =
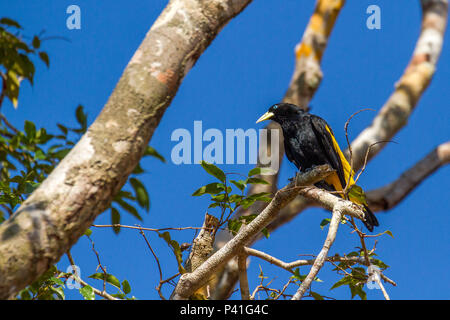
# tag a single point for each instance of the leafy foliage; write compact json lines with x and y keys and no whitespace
{"x":49,"y":286}
{"x":15,"y":58}
{"x":355,"y":274}
{"x":227,"y":202}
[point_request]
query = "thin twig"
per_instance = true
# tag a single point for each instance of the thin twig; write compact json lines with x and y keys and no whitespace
{"x":105,"y":274}
{"x":366,"y":158}
{"x":158,"y":288}
{"x":243,"y":280}
{"x":8,"y":124}
{"x":284,"y":289}
{"x":350,"y":146}
{"x":143,"y":228}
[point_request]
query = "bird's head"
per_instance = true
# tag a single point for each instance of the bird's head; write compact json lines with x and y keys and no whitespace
{"x":280,"y":112}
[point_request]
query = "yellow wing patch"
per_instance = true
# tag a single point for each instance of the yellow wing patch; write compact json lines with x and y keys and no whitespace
{"x":348,"y":172}
{"x":333,"y":180}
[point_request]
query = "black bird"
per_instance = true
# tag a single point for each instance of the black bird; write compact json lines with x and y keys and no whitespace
{"x":308,"y":142}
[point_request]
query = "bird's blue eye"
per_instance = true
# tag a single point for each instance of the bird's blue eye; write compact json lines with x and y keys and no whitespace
{"x":274,"y":106}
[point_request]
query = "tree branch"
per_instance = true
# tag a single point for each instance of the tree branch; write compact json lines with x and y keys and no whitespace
{"x":243,"y":280}
{"x":320,"y":260}
{"x":288,"y":266}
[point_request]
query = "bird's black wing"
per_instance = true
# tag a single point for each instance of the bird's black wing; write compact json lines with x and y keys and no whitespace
{"x":326,"y":140}
{"x":290,"y":155}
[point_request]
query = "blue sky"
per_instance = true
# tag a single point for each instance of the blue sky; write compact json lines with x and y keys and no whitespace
{"x":245,"y":70}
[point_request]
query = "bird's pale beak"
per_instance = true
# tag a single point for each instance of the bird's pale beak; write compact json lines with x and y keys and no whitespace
{"x":265,"y":116}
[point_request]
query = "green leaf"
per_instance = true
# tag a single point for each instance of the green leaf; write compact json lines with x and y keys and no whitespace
{"x":297,"y":275}
{"x":138,"y":169}
{"x":10,"y":22}
{"x":25,"y":294}
{"x":235,"y":198}
{"x":389,"y":233}
{"x":126,"y":195}
{"x":30,"y":186}
{"x":256,"y":181}
{"x":261,"y":196}
{"x":88,"y":293}
{"x":61,"y":153}
{"x":12,"y":87}
{"x":39,"y":155}
{"x":324,"y":223}
{"x":109,"y":278}
{"x":379,"y":263}
{"x":63,"y":128}
{"x":150,"y":151}
{"x":81,"y":117}
{"x":141,"y":193}
{"x":357,"y":290}
{"x":246,"y":203}
{"x":213,"y":170}
{"x":260,"y":171}
{"x":44,"y":57}
{"x":58,"y":291}
{"x":126,"y":288}
{"x":36,"y":43}
{"x":354,"y":254}
{"x":241,"y":184}
{"x":356,"y":192}
{"x":220,"y":197}
{"x":266,"y":233}
{"x":88,"y":232}
{"x":212,"y":188}
{"x":316,"y":296}
{"x":248,"y":218}
{"x":115,"y":219}
{"x":128,"y":207}
{"x":234,"y":225}
{"x":344,"y":281}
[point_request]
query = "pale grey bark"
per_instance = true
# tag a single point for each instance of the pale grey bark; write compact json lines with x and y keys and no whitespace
{"x":338,"y":211}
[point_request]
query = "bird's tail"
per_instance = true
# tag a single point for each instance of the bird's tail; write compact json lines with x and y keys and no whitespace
{"x":356,"y":196}
{"x":370,"y":220}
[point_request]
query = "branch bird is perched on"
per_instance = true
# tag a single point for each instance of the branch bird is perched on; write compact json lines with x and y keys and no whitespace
{"x":308,"y":142}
